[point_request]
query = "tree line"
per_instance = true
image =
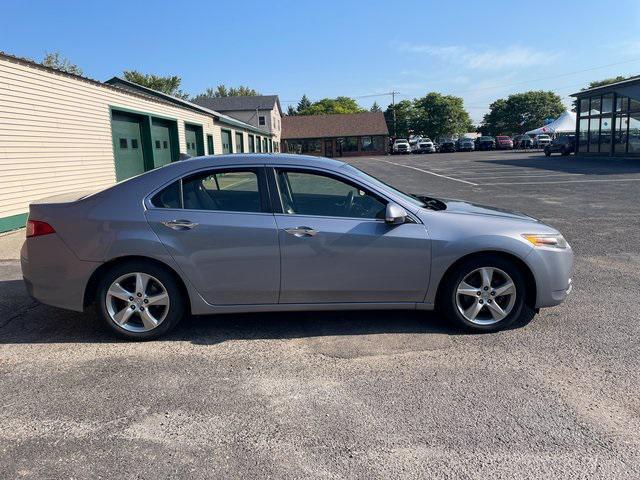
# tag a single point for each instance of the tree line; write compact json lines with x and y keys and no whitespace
{"x":434,"y":114}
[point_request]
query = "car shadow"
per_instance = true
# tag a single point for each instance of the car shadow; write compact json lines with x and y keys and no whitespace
{"x":572,"y":164}
{"x":30,"y":322}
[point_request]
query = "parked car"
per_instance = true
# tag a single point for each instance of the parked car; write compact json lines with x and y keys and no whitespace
{"x":401,"y":145}
{"x":522,"y":142}
{"x":258,"y":233}
{"x":423,"y":145}
{"x":564,"y":145}
{"x":541,"y":141}
{"x":504,"y":142}
{"x":465,"y":145}
{"x":447,"y":146}
{"x":485,"y":143}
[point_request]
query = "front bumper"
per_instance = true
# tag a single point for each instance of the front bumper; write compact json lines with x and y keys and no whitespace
{"x":552,"y":270}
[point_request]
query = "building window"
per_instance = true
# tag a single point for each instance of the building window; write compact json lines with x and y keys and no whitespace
{"x":594,"y":134}
{"x":584,"y":107}
{"x":261,"y":120}
{"x":595,"y":106}
{"x":123,"y":143}
{"x":134,"y":143}
{"x":583,"y":135}
{"x":607,"y":103}
{"x":372,"y":144}
{"x":634,"y":105}
{"x":622,"y":123}
{"x":347,"y":144}
{"x":605,"y":134}
{"x":634,"y":133}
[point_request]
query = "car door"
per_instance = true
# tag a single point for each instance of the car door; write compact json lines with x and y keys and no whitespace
{"x":336,"y":246}
{"x":218,"y":227}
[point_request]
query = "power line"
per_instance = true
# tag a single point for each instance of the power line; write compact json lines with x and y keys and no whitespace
{"x":491,"y":87}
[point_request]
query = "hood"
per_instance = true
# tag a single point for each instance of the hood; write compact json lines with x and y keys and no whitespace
{"x":468,"y":208}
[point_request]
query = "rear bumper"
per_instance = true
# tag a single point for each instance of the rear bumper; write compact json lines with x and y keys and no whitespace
{"x":52,"y":274}
{"x":552,"y":270}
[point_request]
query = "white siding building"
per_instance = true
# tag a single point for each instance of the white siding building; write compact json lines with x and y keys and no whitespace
{"x":60,"y":132}
{"x":262,"y":111}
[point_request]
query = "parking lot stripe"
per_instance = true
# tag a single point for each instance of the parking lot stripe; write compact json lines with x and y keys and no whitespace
{"x":425,"y":171}
{"x":604,"y":180}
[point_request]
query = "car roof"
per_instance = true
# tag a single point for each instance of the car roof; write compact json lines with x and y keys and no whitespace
{"x":265,"y":158}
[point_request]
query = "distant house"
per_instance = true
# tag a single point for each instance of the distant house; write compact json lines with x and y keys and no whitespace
{"x":335,"y":135}
{"x":262,"y":111}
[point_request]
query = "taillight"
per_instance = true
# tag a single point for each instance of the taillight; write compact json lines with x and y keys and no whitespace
{"x":36,"y":228}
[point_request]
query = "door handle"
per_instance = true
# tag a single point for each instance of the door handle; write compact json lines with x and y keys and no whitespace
{"x":301,"y":231}
{"x":180,"y":224}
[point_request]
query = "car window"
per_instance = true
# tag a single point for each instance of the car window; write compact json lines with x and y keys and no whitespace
{"x":168,"y":197}
{"x":306,"y":193}
{"x":231,"y":191}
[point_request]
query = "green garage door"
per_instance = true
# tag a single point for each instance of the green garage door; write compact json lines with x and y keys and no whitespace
{"x":127,"y":145}
{"x":192,"y":140}
{"x":161,"y":142}
{"x":258,"y":145}
{"x":264,"y":145}
{"x":210,"y":144}
{"x":239,"y":142}
{"x":226,"y":141}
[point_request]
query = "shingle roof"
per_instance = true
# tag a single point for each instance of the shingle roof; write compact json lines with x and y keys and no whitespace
{"x":338,"y":125}
{"x":228,"y":104}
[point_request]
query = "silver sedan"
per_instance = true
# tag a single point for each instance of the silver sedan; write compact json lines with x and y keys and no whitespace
{"x":257,"y":233}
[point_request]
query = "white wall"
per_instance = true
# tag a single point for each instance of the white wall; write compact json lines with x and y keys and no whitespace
{"x":55,"y":133}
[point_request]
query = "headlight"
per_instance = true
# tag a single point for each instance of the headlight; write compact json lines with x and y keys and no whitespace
{"x":549,"y":240}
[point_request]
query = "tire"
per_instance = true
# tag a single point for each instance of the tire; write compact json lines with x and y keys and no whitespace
{"x":447,"y":301}
{"x":547,"y":152}
{"x":168,"y":312}
{"x":565,"y":152}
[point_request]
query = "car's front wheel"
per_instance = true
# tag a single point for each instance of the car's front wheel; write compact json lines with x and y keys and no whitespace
{"x":485,"y":294}
{"x":140,"y":300}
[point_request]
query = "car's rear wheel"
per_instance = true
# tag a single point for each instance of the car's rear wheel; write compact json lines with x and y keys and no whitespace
{"x":485,"y":294}
{"x":140,"y":300}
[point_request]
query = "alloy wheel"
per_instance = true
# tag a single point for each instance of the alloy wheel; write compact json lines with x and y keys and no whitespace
{"x":486,"y":296}
{"x":137,"y":302}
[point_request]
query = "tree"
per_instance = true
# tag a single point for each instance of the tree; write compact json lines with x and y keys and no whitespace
{"x":169,"y":84}
{"x":440,"y":115}
{"x":521,"y":112}
{"x":332,"y":106}
{"x":375,"y":107}
{"x":223,"y":91}
{"x":291,"y":110}
{"x":404,"y":118}
{"x":303,"y":104}
{"x":606,"y":81}
{"x":57,"y":61}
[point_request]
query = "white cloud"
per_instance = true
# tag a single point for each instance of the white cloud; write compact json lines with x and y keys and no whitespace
{"x":488,"y":59}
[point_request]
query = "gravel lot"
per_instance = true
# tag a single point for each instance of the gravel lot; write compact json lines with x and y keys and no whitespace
{"x":360,"y":395}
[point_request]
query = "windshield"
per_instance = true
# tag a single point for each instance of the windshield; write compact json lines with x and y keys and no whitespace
{"x":425,"y":140}
{"x":486,"y":138}
{"x":385,"y":186}
{"x":502,"y":138}
{"x":402,"y":140}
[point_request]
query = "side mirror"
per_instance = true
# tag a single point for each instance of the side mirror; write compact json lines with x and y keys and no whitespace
{"x":395,"y":214}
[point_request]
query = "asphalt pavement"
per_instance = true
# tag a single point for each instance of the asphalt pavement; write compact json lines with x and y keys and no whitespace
{"x":353,"y":394}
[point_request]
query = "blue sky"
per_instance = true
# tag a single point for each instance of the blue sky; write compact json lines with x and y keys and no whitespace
{"x":329,"y":48}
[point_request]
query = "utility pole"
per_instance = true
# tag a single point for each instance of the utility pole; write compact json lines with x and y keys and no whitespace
{"x":393,"y":107}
